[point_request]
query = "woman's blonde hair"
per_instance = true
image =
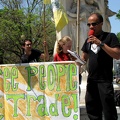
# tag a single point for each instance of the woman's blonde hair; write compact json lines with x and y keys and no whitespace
{"x":62,"y":42}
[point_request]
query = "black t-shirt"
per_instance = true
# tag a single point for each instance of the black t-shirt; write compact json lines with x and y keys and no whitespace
{"x":100,"y":65}
{"x":33,"y":57}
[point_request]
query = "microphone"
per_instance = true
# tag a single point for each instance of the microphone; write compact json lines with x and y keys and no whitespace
{"x":91,"y":32}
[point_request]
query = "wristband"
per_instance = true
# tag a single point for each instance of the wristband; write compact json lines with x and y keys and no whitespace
{"x":101,"y":44}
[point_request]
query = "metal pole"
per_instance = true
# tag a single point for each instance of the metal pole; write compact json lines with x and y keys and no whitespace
{"x":44,"y":33}
{"x":78,"y":26}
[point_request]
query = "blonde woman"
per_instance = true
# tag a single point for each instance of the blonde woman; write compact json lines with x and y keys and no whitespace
{"x":62,"y":54}
{"x":63,"y":45}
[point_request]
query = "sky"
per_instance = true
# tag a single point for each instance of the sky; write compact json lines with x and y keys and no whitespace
{"x":114,"y":5}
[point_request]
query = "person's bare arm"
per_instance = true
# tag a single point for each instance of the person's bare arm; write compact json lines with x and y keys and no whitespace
{"x":84,"y":56}
{"x":113,"y":52}
{"x":45,"y":55}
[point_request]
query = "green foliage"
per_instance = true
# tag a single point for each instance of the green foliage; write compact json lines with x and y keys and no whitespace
{"x":17,"y":20}
{"x":118,"y":36}
{"x":118,"y":14}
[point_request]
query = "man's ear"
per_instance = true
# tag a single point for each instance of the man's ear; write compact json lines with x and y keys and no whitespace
{"x":23,"y":46}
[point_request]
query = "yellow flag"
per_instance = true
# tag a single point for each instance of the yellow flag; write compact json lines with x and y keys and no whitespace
{"x":60,"y":17}
{"x":46,"y":1}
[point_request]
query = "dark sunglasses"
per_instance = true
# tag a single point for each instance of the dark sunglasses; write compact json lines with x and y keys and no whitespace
{"x":93,"y":24}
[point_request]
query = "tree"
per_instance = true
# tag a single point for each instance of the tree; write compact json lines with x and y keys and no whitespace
{"x":24,"y":18}
{"x":118,"y":36}
{"x":118,"y":17}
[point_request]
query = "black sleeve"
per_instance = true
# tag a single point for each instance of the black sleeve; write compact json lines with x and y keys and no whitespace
{"x":86,"y":46}
{"x":37,"y":52}
{"x":24,"y":58}
{"x":114,"y":40}
{"x":111,"y":40}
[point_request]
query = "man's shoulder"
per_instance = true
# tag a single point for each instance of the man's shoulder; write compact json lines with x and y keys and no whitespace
{"x":109,"y":33}
{"x":35,"y":50}
{"x":106,"y":33}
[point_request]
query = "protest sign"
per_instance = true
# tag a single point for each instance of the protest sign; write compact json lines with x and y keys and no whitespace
{"x":39,"y":91}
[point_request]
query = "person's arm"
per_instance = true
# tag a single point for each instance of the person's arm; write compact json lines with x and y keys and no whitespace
{"x":113,"y":52}
{"x":45,"y":55}
{"x":55,"y":57}
{"x":84,"y":56}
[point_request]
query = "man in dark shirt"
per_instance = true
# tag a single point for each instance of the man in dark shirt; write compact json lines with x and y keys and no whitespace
{"x":100,"y":48}
{"x":32,"y":55}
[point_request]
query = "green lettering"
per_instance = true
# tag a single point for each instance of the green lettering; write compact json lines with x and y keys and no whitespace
{"x":75,"y":99}
{"x":65,"y":104}
{"x":42,"y":74}
{"x":51,"y":77}
{"x":1,"y":105}
{"x":5,"y":77}
{"x":28,"y":103}
{"x":1,"y":117}
{"x":14,"y":74}
{"x":15,"y":98}
{"x":61,"y":71}
{"x":53,"y":107}
{"x":42,"y":110}
{"x":31,"y":71}
{"x":72,"y":72}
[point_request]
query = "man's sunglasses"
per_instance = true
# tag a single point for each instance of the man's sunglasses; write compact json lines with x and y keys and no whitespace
{"x":93,"y":24}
